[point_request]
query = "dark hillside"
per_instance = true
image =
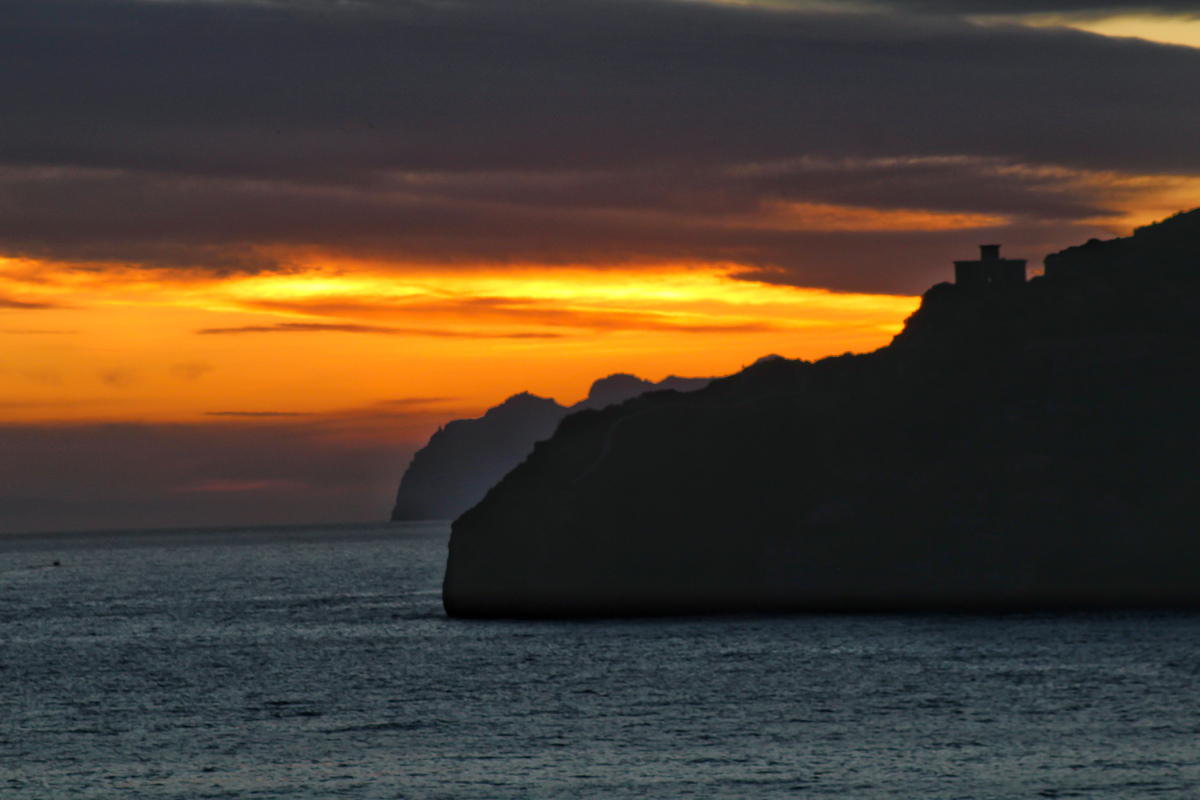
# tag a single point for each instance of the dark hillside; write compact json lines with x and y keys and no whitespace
{"x":1027,"y":447}
{"x":467,"y":457}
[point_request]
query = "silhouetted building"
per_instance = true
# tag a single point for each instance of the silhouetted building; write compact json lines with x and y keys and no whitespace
{"x":990,"y":270}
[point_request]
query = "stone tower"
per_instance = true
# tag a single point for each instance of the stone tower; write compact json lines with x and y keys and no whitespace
{"x":990,"y":270}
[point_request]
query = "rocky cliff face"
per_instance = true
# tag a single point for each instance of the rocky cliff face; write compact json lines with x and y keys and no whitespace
{"x":467,"y":457}
{"x":1025,"y":448}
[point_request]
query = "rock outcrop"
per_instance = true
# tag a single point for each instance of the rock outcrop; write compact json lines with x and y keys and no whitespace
{"x":467,"y":457}
{"x":1028,"y":447}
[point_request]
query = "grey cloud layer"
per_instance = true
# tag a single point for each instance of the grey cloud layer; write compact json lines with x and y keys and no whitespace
{"x":189,"y":134}
{"x":290,"y":91}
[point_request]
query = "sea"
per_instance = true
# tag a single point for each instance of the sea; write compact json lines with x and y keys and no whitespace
{"x":316,"y":662}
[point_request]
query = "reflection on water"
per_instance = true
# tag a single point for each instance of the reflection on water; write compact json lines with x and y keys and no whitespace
{"x":316,"y":662}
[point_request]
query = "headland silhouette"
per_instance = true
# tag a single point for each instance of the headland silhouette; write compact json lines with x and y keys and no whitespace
{"x":466,"y":457}
{"x":1020,"y":445}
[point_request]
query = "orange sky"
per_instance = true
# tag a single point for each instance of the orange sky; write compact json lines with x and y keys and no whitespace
{"x":332,"y":336}
{"x":279,"y":272}
{"x":328,"y":337}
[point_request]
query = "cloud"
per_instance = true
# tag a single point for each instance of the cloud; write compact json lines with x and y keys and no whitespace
{"x":538,"y":84}
{"x":253,"y":414}
{"x":791,"y":213}
{"x":8,"y":302}
{"x":479,"y":309}
{"x":118,"y":377}
{"x":416,"y":401}
{"x":191,"y":370}
{"x":205,"y":135}
{"x":330,"y":327}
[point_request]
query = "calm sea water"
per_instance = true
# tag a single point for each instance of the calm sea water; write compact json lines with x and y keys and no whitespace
{"x":298,"y":663}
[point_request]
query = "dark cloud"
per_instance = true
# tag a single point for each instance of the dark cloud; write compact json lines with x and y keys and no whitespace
{"x":596,"y":131}
{"x":320,"y":91}
{"x":701,"y":212}
{"x":698,"y":212}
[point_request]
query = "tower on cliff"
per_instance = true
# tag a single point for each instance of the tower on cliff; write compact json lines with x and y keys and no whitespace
{"x":990,"y":270}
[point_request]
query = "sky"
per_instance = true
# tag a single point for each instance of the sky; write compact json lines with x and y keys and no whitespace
{"x":253,"y":253}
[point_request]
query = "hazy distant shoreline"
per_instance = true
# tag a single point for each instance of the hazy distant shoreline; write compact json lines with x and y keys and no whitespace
{"x":350,"y":531}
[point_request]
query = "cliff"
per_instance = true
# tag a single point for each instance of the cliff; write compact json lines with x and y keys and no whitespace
{"x":1033,"y":447}
{"x":467,"y":457}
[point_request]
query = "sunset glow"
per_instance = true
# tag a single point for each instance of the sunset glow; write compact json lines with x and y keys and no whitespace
{"x":327,"y":338}
{"x":263,"y":250}
{"x":342,"y":337}
{"x":1177,"y":29}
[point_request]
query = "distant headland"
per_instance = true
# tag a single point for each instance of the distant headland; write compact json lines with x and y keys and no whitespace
{"x":466,"y":457}
{"x":1020,"y":445}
